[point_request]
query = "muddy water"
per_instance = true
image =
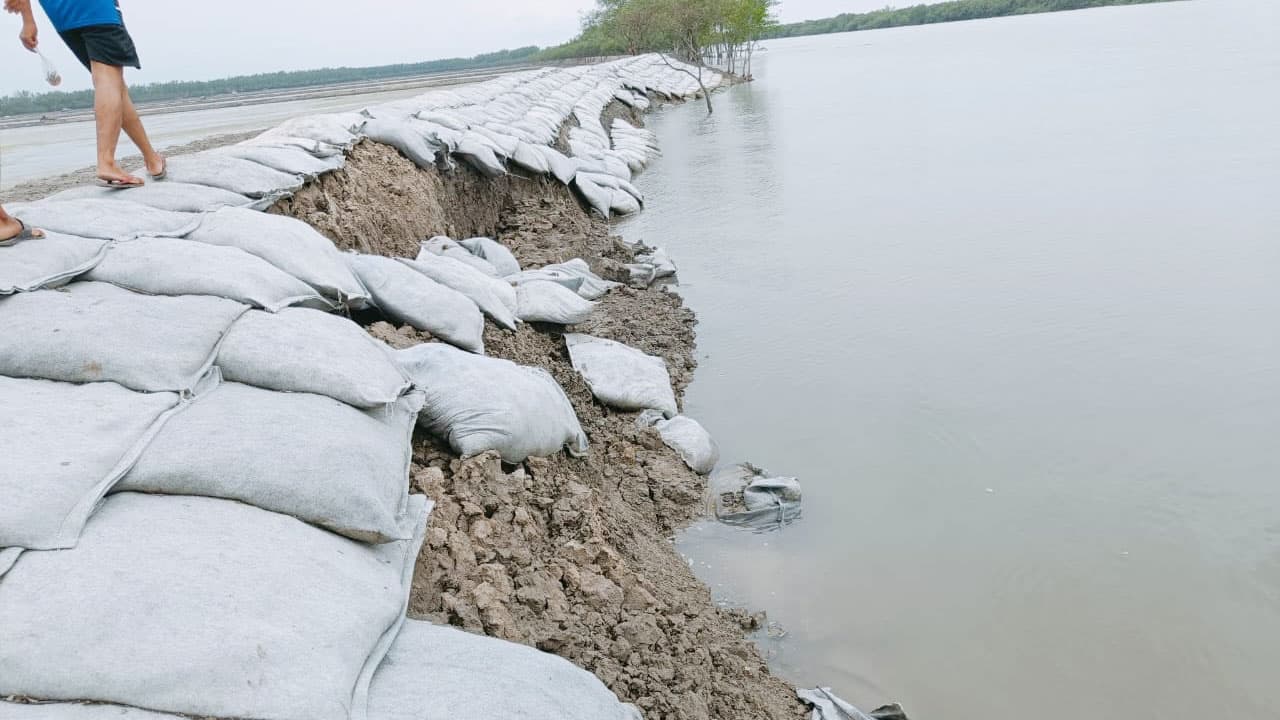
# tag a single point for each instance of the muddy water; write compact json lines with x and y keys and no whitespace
{"x":1004,"y":295}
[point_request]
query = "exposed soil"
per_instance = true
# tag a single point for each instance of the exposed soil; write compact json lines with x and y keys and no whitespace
{"x":573,"y":556}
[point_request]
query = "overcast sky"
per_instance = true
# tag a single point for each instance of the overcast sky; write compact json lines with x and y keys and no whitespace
{"x":195,"y":41}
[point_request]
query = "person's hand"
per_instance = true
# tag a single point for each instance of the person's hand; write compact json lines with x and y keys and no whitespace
{"x":16,"y":6}
{"x":29,"y":36}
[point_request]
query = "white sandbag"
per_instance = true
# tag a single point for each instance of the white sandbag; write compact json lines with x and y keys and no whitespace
{"x":220,"y":170}
{"x":308,"y":351}
{"x":593,"y":286}
{"x":306,"y":456}
{"x":572,"y":282}
{"x":336,"y":129}
{"x":94,"y":332}
{"x":480,"y":404}
{"x":828,"y":706}
{"x":751,"y":496}
{"x":598,"y":198}
{"x":168,"y":195}
{"x":165,"y":266}
{"x":663,"y":266}
{"x":206,"y":607}
{"x":8,"y":556}
{"x":446,"y":247}
{"x":563,"y":167}
{"x":76,"y":711}
{"x":496,"y":298}
{"x":623,"y":203}
{"x":473,"y":148}
{"x":493,"y":252}
{"x":621,"y":376}
{"x":550,"y":302}
{"x":530,"y":158}
{"x":64,"y":446}
{"x":443,"y":118}
{"x":51,"y":262}
{"x":105,"y":219}
{"x":687,"y":437}
{"x":409,"y":297}
{"x":404,"y":137}
{"x":442,"y":673}
{"x":287,"y":159}
{"x":291,"y":245}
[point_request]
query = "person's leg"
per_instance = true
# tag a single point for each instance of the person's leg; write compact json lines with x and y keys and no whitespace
{"x":108,"y":110}
{"x":138,"y":134}
{"x":10,"y":228}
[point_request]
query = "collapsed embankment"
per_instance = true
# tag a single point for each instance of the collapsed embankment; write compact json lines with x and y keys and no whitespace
{"x":573,"y":556}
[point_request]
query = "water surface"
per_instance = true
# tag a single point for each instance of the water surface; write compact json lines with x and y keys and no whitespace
{"x":1004,"y":295}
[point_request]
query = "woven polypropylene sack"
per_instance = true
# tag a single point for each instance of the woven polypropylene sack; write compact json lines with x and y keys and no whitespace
{"x":496,"y":298}
{"x":301,"y":350}
{"x":165,"y":266}
{"x":105,"y":219}
{"x":621,"y":376}
{"x":64,"y":446}
{"x":303,"y":455}
{"x":403,"y":136}
{"x":168,"y":195}
{"x":287,"y":159}
{"x":480,"y":404}
{"x":493,"y":252}
{"x":237,"y":175}
{"x":687,"y":437}
{"x":550,"y":302}
{"x":291,"y":245}
{"x":53,"y":261}
{"x":449,"y":248}
{"x":442,"y":673}
{"x":75,"y":711}
{"x":206,"y":607}
{"x":593,"y":286}
{"x":407,"y":296}
{"x":94,"y":332}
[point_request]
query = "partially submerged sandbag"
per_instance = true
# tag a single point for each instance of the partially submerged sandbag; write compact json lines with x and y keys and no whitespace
{"x":291,"y":245}
{"x":493,"y":252}
{"x":747,"y":495}
{"x":480,"y":404}
{"x":206,"y":607}
{"x":621,"y":376}
{"x":593,"y":286}
{"x":287,"y":159}
{"x":551,"y":302}
{"x":496,"y":298}
{"x":447,"y":247}
{"x":828,"y":706}
{"x":301,"y":350}
{"x":51,"y":262}
{"x":442,"y":673}
{"x":64,"y":446}
{"x":168,"y":195}
{"x":94,"y":332}
{"x":687,"y":437}
{"x":220,"y":170}
{"x":105,"y":219}
{"x":407,"y":296}
{"x":403,"y":136}
{"x":165,"y":266}
{"x":303,"y":455}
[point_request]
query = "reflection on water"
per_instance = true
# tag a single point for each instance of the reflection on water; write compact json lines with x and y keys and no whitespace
{"x":1003,"y":295}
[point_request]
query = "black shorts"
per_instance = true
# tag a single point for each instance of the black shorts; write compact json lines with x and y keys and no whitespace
{"x":107,"y":44}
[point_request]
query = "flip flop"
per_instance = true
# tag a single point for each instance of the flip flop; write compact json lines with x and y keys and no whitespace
{"x":25,"y":233}
{"x":164,"y":172}
{"x":118,"y":184}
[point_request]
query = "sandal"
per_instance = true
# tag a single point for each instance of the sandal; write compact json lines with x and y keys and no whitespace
{"x":118,"y":184}
{"x":25,"y":233}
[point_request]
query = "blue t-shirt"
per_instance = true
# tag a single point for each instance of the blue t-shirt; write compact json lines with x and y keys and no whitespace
{"x":71,"y":14}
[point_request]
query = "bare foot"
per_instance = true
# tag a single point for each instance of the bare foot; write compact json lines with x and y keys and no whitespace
{"x":11,"y":228}
{"x":113,"y":175}
{"x":156,"y":167}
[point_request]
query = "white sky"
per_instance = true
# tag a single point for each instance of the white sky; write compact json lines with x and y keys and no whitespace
{"x":181,"y":40}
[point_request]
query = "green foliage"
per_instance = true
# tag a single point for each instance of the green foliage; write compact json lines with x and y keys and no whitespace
{"x":937,"y":13}
{"x":28,"y":102}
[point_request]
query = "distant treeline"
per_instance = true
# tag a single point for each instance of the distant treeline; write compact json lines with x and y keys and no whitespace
{"x":28,"y":102}
{"x":937,"y":13}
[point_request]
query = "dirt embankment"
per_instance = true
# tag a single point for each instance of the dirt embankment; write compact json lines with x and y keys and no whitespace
{"x":573,"y":556}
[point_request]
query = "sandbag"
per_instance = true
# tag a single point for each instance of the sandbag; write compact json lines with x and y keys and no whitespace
{"x":336,"y":129}
{"x":220,"y":170}
{"x":289,"y":159}
{"x":480,"y":404}
{"x":53,"y":261}
{"x":530,"y":158}
{"x":473,"y":148}
{"x":493,"y":252}
{"x":621,"y":376}
{"x":168,"y":195}
{"x":496,"y":298}
{"x":623,"y":203}
{"x":662,"y":264}
{"x":291,"y":245}
{"x":165,"y":266}
{"x":563,"y":167}
{"x":442,"y":673}
{"x":64,"y":446}
{"x":551,"y":302}
{"x":75,"y":711}
{"x":598,"y":198}
{"x":105,"y":219}
{"x":94,"y":332}
{"x":687,"y":437}
{"x":402,"y":136}
{"x":828,"y":706}
{"x":559,"y":277}
{"x":307,"y":456}
{"x":446,"y":247}
{"x":8,"y":556}
{"x":301,"y":350}
{"x":751,"y":496}
{"x":593,"y":286}
{"x":409,"y":297}
{"x":206,"y":607}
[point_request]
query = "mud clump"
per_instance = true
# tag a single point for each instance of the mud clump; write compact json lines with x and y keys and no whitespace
{"x":570,"y":555}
